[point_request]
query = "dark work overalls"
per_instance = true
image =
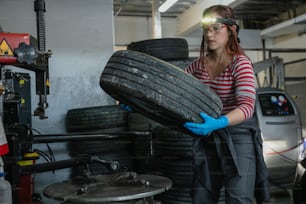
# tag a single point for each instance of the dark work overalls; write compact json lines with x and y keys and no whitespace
{"x":231,"y":158}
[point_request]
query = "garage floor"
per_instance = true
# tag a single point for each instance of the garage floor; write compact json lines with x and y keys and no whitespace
{"x":281,"y":198}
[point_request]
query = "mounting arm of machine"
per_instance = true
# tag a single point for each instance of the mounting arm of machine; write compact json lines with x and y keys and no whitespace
{"x":24,"y":51}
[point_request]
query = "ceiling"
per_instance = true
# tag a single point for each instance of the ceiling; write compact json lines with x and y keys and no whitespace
{"x":144,"y":7}
{"x":261,"y":14}
{"x":253,"y":14}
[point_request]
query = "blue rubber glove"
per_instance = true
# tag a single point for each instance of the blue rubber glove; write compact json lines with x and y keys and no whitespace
{"x":125,"y":107}
{"x":209,"y":125}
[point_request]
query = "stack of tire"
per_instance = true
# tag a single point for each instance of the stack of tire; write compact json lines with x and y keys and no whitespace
{"x":148,"y":77}
{"x":172,"y":149}
{"x":99,"y":119}
{"x":143,"y":149}
{"x":173,"y":159}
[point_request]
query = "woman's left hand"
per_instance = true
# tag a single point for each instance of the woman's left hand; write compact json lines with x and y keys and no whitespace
{"x":209,"y":125}
{"x":125,"y":107}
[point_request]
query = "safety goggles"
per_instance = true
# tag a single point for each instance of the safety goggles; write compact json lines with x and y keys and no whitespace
{"x":214,"y":28}
{"x":216,"y":24}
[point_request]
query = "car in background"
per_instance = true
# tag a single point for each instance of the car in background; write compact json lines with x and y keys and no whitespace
{"x":283,"y":143}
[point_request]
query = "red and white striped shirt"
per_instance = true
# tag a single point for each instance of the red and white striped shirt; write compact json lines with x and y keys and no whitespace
{"x":235,"y":85}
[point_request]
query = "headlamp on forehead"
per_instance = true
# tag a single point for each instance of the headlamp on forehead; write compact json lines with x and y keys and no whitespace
{"x":226,"y":21}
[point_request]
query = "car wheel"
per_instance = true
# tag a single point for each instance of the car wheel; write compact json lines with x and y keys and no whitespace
{"x":157,"y":89}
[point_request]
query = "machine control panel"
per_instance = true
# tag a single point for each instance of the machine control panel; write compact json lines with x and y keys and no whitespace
{"x":275,"y":104}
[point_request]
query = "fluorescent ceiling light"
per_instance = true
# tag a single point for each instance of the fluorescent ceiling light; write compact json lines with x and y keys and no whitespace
{"x":166,"y":5}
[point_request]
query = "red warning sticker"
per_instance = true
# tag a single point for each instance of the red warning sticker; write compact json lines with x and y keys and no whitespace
{"x":5,"y":49}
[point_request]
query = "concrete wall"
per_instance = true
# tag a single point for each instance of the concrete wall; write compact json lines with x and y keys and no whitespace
{"x":129,"y":29}
{"x":80,"y":35}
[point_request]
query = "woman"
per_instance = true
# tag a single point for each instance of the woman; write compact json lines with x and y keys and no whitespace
{"x":227,"y":151}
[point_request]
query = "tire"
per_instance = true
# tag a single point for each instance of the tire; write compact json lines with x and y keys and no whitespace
{"x":177,"y":169}
{"x":157,"y":89}
{"x":95,"y":118}
{"x":142,"y":143}
{"x":100,"y":146}
{"x":162,"y":48}
{"x":173,"y":156}
{"x":169,"y":143}
{"x":176,"y":195}
{"x":92,"y":147}
{"x":139,"y":122}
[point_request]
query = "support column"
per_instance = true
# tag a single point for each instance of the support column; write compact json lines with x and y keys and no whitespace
{"x":156,"y":20}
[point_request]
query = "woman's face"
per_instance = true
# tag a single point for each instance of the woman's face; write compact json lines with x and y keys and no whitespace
{"x":216,"y":34}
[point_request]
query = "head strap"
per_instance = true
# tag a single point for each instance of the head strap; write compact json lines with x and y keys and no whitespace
{"x":226,"y":21}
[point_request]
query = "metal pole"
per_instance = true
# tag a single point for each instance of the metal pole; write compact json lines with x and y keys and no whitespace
{"x":86,"y":136}
{"x":156,"y":22}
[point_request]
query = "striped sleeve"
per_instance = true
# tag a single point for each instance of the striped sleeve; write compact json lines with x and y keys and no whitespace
{"x":244,"y":85}
{"x":193,"y":66}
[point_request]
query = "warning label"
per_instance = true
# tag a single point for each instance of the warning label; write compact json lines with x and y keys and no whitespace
{"x":5,"y":49}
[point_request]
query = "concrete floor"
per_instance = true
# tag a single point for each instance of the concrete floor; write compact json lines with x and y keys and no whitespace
{"x":283,"y":197}
{"x":280,"y":197}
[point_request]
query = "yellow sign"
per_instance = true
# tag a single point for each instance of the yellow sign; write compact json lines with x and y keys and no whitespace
{"x":5,"y":49}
